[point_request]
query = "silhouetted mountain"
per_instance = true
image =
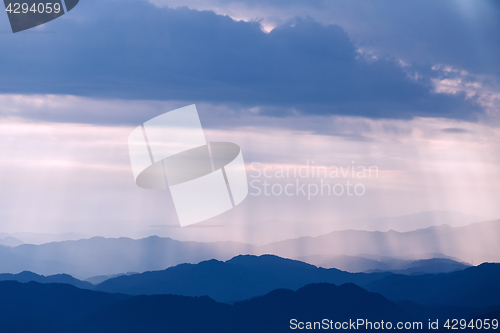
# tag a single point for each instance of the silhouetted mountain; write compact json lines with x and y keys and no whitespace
{"x":269,"y":313}
{"x":250,"y":276}
{"x":58,"y":278}
{"x":35,"y":307}
{"x":315,"y":302}
{"x":243,"y":277}
{"x":104,"y":256}
{"x":472,"y":287}
{"x":474,"y":242}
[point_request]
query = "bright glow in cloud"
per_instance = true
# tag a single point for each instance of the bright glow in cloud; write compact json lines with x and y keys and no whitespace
{"x":486,"y":88}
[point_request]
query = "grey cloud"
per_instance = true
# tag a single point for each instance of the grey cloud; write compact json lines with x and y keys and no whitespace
{"x":144,"y":52}
{"x":455,"y":130}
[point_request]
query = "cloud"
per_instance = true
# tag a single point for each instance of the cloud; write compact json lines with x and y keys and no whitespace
{"x":144,"y":52}
{"x":454,"y":130}
{"x":59,"y":177}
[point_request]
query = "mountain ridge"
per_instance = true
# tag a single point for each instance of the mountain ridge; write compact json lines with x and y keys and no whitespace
{"x":248,"y":276}
{"x":107,"y":256}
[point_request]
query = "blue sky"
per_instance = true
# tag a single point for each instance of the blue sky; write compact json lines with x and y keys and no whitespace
{"x":411,"y":87}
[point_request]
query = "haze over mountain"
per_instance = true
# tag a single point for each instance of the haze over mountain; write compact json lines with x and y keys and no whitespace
{"x":40,"y":238}
{"x":428,"y":266}
{"x":104,"y":256}
{"x":415,"y":221}
{"x":425,"y":263}
{"x":265,"y":232}
{"x":260,"y":233}
{"x":86,"y":258}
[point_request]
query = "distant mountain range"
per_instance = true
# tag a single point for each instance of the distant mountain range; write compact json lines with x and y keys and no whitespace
{"x":357,"y":250}
{"x":271,"y":231}
{"x":415,"y":221}
{"x":10,"y":241}
{"x":474,"y":243}
{"x":25,"y":277}
{"x":106,"y":256}
{"x":265,"y":232}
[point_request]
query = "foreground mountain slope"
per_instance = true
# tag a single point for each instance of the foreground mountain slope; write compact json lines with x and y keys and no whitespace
{"x":472,"y":287}
{"x":33,"y":307}
{"x":269,"y":313}
{"x":27,"y":307}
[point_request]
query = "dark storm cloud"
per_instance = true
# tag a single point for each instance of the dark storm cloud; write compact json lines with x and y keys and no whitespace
{"x":462,"y":33}
{"x":132,"y":50}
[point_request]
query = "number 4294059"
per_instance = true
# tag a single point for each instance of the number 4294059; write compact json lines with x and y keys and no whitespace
{"x":18,"y":8}
{"x":485,"y":324}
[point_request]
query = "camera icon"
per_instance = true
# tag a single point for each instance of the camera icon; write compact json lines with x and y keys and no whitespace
{"x":205,"y":178}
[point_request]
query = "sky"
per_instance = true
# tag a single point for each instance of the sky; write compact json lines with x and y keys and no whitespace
{"x":410,"y":89}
